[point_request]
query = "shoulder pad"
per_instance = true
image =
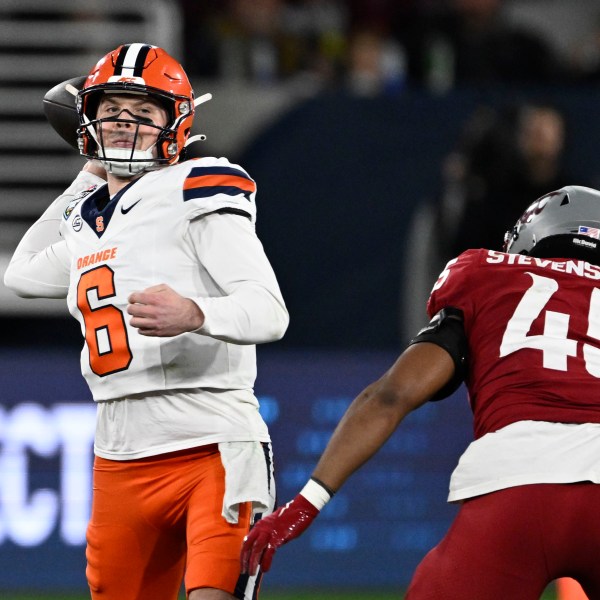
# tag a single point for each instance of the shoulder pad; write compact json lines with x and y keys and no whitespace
{"x":216,"y":184}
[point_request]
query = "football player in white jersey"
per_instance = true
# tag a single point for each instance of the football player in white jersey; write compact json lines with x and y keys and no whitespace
{"x":160,"y":264}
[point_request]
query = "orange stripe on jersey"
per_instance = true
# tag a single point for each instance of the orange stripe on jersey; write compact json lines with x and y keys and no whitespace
{"x":203,"y":182}
{"x":218,"y":181}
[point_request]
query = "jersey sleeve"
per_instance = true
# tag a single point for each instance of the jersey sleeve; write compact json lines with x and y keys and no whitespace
{"x":216,"y":185}
{"x":251,"y":309}
{"x":452,"y":289}
{"x":40,"y":265}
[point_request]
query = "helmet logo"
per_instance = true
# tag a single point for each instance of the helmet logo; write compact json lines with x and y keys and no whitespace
{"x":537,"y":207}
{"x":125,"y":79}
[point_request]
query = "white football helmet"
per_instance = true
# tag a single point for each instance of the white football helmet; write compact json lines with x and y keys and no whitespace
{"x":561,"y":224}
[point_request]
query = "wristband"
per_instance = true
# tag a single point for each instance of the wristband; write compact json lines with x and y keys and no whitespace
{"x":316,"y":493}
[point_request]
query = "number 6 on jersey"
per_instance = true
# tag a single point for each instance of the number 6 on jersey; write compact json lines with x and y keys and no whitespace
{"x":105,"y":330}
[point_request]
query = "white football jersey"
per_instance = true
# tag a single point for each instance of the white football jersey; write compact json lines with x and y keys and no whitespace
{"x":138,"y":239}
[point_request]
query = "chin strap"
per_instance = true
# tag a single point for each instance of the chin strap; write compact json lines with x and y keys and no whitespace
{"x":200,"y":137}
{"x":202,"y":99}
{"x":141,"y":160}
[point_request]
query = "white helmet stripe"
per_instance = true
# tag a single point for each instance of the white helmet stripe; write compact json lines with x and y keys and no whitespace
{"x":131,"y":60}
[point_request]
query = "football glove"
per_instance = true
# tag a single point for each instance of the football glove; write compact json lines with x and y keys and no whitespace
{"x":285,"y":524}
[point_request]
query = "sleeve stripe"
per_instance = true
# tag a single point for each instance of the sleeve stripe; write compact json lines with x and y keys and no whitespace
{"x":213,"y":180}
{"x":216,"y":170}
{"x":207,"y":192}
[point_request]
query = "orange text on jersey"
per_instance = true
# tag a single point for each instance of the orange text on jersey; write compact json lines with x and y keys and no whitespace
{"x":96,"y":257}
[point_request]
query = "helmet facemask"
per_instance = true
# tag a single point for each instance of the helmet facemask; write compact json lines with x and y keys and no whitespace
{"x":128,"y":161}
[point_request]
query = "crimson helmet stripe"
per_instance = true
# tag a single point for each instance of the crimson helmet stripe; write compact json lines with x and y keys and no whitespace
{"x":131,"y":60}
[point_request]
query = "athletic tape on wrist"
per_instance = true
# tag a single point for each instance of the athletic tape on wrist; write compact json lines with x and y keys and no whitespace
{"x":316,"y":494}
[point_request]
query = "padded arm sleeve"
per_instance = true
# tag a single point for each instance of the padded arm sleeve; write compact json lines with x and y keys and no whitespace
{"x":446,"y":329}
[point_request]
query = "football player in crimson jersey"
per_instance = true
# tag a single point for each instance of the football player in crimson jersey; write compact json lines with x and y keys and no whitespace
{"x":160,"y":263}
{"x":522,"y":329}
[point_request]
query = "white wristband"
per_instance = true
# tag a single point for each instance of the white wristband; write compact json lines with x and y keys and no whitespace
{"x":316,"y":494}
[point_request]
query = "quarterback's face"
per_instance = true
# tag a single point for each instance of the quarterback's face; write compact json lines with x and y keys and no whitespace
{"x":142,"y":109}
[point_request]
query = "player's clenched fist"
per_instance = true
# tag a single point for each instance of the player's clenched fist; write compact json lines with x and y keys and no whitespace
{"x":271,"y":532}
{"x":160,"y":311}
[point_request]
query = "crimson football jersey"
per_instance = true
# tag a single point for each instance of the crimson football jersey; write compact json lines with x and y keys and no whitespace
{"x":533,"y":328}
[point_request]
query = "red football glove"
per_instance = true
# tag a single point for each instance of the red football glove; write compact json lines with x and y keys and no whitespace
{"x":271,"y":532}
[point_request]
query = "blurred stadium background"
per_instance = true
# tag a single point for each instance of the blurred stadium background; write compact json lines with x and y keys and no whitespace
{"x":348,"y":114}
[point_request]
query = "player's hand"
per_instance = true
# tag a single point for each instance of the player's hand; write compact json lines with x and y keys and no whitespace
{"x":95,"y":168}
{"x":271,"y":532}
{"x":161,"y":312}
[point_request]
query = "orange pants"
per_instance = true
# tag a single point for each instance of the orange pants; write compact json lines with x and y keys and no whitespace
{"x":155,"y":519}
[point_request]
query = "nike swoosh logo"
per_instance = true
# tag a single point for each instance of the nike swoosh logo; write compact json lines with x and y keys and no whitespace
{"x":126,"y":210}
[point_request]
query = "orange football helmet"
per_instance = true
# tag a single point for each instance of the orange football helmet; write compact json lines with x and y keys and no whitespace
{"x":137,"y":69}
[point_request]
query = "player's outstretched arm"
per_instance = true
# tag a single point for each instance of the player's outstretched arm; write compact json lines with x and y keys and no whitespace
{"x":421,"y":370}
